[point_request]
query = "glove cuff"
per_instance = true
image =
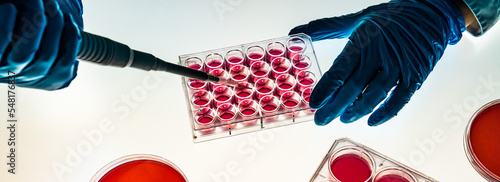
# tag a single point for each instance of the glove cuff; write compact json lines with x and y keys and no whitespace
{"x":453,"y":16}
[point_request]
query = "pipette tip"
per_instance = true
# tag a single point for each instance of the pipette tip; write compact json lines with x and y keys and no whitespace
{"x":228,"y":82}
{"x":232,"y":83}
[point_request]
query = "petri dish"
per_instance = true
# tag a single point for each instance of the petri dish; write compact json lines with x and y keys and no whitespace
{"x":351,"y":164}
{"x":482,"y":141}
{"x":394,"y":174}
{"x":139,"y":167}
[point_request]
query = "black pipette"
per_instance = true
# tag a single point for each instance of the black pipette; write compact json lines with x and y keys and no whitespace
{"x":104,"y":51}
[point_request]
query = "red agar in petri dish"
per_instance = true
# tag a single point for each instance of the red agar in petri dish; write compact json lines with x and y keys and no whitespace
{"x":484,"y":139}
{"x":144,"y":170}
{"x":394,"y":174}
{"x":392,"y":178}
{"x":350,"y":168}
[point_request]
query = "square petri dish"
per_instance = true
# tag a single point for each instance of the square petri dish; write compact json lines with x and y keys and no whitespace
{"x":348,"y":160}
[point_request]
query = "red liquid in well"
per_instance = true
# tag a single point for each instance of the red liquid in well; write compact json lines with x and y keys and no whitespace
{"x":269,"y":107}
{"x":142,"y":170}
{"x":214,"y":63}
{"x":195,"y":66}
{"x":222,"y":98}
{"x":197,"y":84}
{"x":291,"y":103}
{"x":201,"y":102}
{"x":259,"y":73}
{"x":205,"y":120}
{"x":275,"y":52}
{"x":350,"y":168}
{"x":255,"y":56}
{"x":239,"y":77}
{"x":226,"y":115}
{"x":485,"y":138}
{"x":286,"y":86}
{"x":234,"y":60}
{"x":391,"y":178}
{"x":243,"y":94}
{"x":301,"y":65}
{"x":280,"y":69}
{"x":296,"y":48}
{"x":307,"y":81}
{"x":217,"y":73}
{"x":264,"y":90}
{"x":306,"y":98}
{"x":248,"y":112}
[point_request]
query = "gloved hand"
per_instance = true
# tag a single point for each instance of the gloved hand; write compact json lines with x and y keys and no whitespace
{"x":394,"y":44}
{"x":39,"y":41}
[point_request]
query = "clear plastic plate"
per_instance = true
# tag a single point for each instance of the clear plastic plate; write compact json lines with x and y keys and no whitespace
{"x":217,"y":129}
{"x":381,"y":164}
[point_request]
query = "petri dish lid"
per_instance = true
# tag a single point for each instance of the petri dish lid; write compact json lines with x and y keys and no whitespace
{"x":139,"y":167}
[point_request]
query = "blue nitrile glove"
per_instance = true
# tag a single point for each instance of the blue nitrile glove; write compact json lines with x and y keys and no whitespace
{"x":394,"y":44}
{"x":39,"y":41}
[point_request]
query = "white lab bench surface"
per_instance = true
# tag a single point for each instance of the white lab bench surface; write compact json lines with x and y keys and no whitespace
{"x":107,"y":113}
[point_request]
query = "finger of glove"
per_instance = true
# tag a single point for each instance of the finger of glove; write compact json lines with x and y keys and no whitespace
{"x":64,"y":70}
{"x":348,"y":92}
{"x":8,"y":13}
{"x":298,"y":29}
{"x":27,"y":35}
{"x":49,"y":46}
{"x":374,"y":93}
{"x":330,"y":28}
{"x":377,"y":49}
{"x":322,"y":119}
{"x":343,"y":66}
{"x":390,"y":108}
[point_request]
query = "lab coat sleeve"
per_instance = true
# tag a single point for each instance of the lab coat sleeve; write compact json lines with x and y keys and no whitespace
{"x":487,"y":13}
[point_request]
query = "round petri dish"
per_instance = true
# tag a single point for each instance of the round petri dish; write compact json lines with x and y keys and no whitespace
{"x":351,"y":164}
{"x":139,"y":167}
{"x":394,"y":174}
{"x":482,"y":141}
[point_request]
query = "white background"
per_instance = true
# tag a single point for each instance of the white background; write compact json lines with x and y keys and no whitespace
{"x":52,"y":124}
